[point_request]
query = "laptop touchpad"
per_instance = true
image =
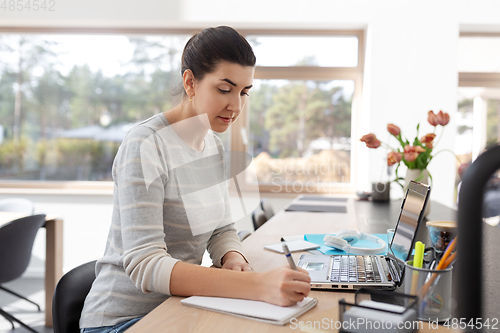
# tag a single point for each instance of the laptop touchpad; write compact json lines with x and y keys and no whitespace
{"x":314,"y":266}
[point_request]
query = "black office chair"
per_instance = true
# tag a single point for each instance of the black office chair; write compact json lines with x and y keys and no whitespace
{"x":18,"y":205}
{"x":243,"y":234}
{"x":69,"y":297}
{"x":470,"y":234}
{"x":258,"y":218}
{"x":16,"y":242}
{"x":265,"y":204}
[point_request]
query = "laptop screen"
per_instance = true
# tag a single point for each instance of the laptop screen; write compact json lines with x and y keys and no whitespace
{"x":406,"y":227}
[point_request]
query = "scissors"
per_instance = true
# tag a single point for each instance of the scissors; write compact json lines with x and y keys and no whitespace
{"x":431,"y":256}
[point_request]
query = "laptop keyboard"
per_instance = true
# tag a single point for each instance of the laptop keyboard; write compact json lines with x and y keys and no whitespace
{"x":354,"y":269}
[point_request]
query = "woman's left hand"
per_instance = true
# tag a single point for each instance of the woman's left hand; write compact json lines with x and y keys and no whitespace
{"x":234,"y":261}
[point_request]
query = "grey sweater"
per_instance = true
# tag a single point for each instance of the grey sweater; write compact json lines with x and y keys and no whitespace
{"x":169,"y":205}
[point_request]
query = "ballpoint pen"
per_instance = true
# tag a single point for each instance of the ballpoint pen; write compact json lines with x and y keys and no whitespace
{"x":288,"y":256}
{"x":431,"y":267}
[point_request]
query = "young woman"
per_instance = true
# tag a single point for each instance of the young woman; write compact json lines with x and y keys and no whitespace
{"x":171,"y":204}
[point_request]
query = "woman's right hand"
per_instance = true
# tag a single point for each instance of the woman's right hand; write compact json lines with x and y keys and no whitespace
{"x":284,"y":286}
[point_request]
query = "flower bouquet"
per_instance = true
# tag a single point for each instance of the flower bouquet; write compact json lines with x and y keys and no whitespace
{"x":415,"y":155}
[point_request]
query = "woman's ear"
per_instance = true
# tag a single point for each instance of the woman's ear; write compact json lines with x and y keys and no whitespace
{"x":189,"y":82}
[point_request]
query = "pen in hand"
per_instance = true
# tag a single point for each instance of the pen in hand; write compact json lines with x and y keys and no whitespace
{"x":288,"y":256}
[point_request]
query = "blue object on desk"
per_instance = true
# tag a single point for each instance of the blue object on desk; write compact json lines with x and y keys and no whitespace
{"x":318,"y":239}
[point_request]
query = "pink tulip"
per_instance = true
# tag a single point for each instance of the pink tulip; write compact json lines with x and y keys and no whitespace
{"x":432,"y":118}
{"x":371,"y":140}
{"x":427,"y":139}
{"x":419,"y":149}
{"x":411,"y":152}
{"x":393,"y":129}
{"x":411,"y":156}
{"x":443,"y":118}
{"x":393,"y":158}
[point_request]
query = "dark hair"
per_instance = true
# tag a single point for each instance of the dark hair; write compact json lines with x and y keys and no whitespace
{"x":206,"y":49}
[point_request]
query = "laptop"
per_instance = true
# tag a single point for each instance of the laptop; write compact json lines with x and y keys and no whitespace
{"x":373,"y":271}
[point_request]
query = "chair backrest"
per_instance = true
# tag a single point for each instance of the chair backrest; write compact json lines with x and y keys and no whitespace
{"x":258,"y":218}
{"x":265,"y":204}
{"x":16,"y":242}
{"x":243,"y":234}
{"x":18,"y":205}
{"x":69,"y":297}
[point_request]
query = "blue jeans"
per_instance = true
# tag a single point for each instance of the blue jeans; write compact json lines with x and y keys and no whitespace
{"x":118,"y":328}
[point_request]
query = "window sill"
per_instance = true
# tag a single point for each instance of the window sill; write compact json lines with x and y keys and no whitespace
{"x":56,"y":188}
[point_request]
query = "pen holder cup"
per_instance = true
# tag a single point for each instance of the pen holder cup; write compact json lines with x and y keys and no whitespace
{"x":433,"y":288}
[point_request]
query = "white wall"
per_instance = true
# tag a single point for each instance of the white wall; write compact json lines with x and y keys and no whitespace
{"x":411,"y":64}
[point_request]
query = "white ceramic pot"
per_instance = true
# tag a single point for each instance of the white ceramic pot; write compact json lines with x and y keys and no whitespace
{"x":421,"y":176}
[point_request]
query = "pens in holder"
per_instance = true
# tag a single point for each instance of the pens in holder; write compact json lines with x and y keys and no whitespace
{"x":428,"y":296}
{"x":446,"y":260}
{"x":288,"y":256}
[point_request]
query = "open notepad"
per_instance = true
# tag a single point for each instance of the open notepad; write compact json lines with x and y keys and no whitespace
{"x":255,"y":310}
{"x":293,"y":246}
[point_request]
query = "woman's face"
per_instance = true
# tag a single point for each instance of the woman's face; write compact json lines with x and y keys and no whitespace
{"x":222,"y":94}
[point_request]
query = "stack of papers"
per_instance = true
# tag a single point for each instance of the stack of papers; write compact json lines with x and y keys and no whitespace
{"x":387,"y":320}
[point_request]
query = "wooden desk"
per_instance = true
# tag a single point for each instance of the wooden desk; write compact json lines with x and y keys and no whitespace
{"x":174,"y":317}
{"x":53,"y":256}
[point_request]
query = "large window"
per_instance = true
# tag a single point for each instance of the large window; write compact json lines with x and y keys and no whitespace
{"x":478,"y":121}
{"x":66,"y":102}
{"x":301,"y":109}
{"x":300,"y":131}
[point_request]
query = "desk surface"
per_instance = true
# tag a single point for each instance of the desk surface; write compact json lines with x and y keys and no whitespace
{"x":6,"y":217}
{"x":375,"y":217}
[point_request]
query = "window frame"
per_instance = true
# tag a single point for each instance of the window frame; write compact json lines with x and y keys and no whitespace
{"x":479,"y":79}
{"x":482,"y":80}
{"x":354,"y":74}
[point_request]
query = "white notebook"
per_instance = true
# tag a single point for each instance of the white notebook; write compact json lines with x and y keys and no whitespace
{"x":255,"y":310}
{"x":293,"y":246}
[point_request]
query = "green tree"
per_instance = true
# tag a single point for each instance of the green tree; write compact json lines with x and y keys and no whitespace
{"x":296,"y":117}
{"x":260,"y":101}
{"x":84,"y":105}
{"x":7,"y":93}
{"x":155,"y":74}
{"x":335,"y":121}
{"x":47,"y":100}
{"x":21,"y":55}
